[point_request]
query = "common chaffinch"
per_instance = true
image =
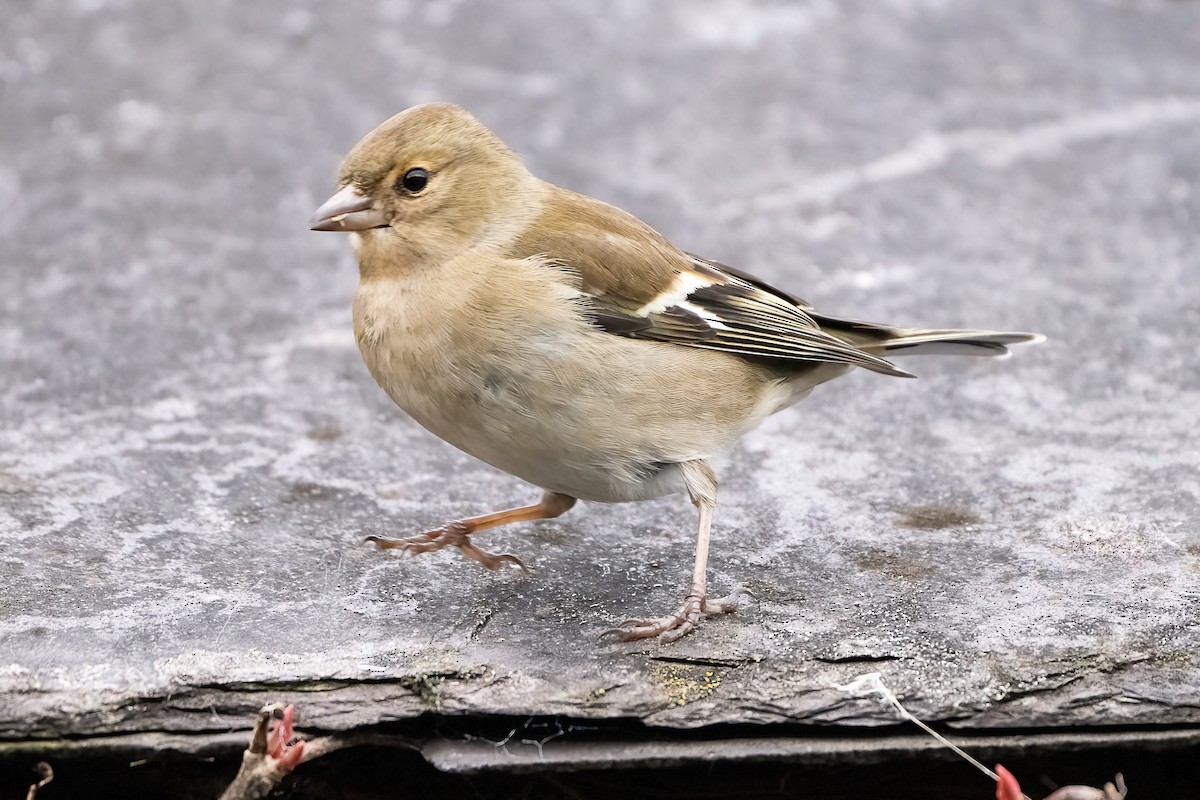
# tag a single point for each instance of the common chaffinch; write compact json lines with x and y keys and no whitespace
{"x":568,"y":343}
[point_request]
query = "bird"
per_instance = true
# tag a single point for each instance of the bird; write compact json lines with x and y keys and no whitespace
{"x":568,"y":343}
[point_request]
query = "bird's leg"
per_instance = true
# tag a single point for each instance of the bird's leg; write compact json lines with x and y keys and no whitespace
{"x":702,"y":488}
{"x":456,"y":532}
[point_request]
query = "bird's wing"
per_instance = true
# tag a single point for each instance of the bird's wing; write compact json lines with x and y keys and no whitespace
{"x":709,"y":306}
{"x":642,"y":286}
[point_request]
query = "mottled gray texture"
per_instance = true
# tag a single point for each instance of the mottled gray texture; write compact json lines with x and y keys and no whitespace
{"x":192,"y":450}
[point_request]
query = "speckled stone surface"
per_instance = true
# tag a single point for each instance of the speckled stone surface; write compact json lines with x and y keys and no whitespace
{"x":191,"y":450}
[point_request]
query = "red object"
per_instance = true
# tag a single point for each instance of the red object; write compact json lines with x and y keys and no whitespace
{"x":1007,"y":787}
{"x":287,"y":752}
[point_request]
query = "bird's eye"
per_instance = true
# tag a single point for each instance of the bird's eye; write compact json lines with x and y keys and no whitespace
{"x":415,"y":179}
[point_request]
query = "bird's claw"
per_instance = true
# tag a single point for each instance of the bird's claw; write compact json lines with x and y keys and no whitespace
{"x":683,"y":621}
{"x":452,"y":534}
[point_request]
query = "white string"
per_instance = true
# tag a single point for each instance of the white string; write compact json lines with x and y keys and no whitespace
{"x":872,"y":683}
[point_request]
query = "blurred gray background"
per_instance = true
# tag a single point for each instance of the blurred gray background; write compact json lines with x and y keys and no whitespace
{"x":191,"y":450}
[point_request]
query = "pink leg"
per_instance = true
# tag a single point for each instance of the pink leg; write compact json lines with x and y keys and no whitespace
{"x":702,"y":487}
{"x":455,"y":533}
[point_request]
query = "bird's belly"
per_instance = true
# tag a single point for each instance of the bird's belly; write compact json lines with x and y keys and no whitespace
{"x":558,"y":446}
{"x":603,"y":431}
{"x":552,"y":399}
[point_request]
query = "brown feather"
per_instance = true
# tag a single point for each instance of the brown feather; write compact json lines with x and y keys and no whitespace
{"x":620,"y":260}
{"x":625,"y":265}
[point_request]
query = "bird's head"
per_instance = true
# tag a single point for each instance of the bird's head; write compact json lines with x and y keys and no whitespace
{"x":427,"y":183}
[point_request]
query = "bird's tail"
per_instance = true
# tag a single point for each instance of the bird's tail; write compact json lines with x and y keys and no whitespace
{"x":890,"y":342}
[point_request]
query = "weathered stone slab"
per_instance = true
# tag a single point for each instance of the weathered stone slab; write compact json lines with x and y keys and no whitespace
{"x":191,"y":450}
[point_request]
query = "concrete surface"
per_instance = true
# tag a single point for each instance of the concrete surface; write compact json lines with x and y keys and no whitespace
{"x":191,"y":450}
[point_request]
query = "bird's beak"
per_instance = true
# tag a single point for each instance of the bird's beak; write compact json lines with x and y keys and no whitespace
{"x":348,"y":210}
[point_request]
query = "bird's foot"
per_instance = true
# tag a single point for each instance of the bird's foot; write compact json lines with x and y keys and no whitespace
{"x":682,"y":622}
{"x":451,"y":534}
